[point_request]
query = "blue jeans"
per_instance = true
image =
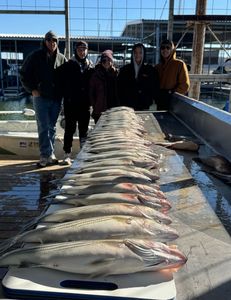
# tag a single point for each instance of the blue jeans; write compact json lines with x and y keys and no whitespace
{"x":46,"y":112}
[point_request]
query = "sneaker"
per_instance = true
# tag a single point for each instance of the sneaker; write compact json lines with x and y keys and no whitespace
{"x":52,"y":160}
{"x":67,"y":159}
{"x":43,"y":162}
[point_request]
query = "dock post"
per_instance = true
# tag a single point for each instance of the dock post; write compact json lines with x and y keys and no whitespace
{"x":198,"y":48}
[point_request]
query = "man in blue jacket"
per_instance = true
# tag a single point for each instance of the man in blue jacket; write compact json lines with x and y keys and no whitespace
{"x":38,"y":77}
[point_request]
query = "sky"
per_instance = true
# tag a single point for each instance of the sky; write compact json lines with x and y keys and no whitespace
{"x":94,"y":17}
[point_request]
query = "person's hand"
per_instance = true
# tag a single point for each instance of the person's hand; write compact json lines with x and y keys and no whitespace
{"x":35,"y":93}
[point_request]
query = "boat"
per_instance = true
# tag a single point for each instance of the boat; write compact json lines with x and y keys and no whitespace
{"x":19,"y":139}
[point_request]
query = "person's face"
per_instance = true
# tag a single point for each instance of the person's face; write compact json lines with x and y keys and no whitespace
{"x":51,"y":45}
{"x":81,"y":52}
{"x":106,"y":63}
{"x":166,"y":50}
{"x":138,"y":55}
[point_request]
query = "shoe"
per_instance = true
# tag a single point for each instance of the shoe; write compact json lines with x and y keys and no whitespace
{"x":67,"y":159}
{"x":52,"y":160}
{"x":43,"y":162}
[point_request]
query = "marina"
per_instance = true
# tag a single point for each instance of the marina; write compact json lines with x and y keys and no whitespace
{"x":199,"y":194}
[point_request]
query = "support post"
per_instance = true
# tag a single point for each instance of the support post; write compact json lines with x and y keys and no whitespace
{"x":198,"y":48}
{"x":1,"y":70}
{"x":170,"y":20}
{"x":67,"y":30}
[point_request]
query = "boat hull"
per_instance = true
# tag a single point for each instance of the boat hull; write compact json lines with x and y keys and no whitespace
{"x":20,"y":139}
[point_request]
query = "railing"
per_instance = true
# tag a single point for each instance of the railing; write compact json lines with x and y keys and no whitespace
{"x":215,"y":78}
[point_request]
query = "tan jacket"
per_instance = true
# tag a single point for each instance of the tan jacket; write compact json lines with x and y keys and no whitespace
{"x":173,"y":75}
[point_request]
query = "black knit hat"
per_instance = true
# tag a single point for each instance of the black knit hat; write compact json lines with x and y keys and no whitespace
{"x":51,"y":35}
{"x":82,"y":44}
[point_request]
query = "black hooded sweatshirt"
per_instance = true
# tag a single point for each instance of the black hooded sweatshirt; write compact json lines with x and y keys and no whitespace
{"x":137,"y":90}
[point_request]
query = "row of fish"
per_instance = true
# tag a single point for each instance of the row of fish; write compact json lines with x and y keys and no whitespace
{"x":118,"y":221}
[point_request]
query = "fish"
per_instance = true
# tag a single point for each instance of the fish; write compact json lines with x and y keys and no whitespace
{"x":216,"y":163}
{"x":91,"y":172}
{"x":131,"y":188}
{"x":132,"y":153}
{"x":100,"y":198}
{"x":118,"y":140}
{"x":180,"y":145}
{"x":76,"y":213}
{"x":137,"y":162}
{"x":89,"y":178}
{"x":87,"y":157}
{"x":103,"y":227}
{"x":98,"y":257}
{"x":107,"y":180}
{"x":223,"y":176}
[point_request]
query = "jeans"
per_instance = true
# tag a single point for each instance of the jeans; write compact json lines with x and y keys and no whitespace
{"x":46,"y":112}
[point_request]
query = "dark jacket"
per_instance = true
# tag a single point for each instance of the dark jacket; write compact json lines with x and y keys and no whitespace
{"x":38,"y":72}
{"x":103,"y":91}
{"x":139,"y":92}
{"x":73,"y":80}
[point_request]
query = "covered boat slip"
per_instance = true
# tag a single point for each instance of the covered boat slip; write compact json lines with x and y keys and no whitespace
{"x":195,"y":197}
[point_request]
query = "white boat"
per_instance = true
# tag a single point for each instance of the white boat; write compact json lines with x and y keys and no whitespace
{"x":20,"y":139}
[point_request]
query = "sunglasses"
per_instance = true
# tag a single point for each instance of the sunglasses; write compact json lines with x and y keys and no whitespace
{"x":165,"y":47}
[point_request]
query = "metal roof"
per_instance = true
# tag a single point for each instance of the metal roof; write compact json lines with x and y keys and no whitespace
{"x":74,"y":38}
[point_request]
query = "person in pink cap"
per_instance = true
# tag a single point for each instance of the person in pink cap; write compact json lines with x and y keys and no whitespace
{"x":102,"y":87}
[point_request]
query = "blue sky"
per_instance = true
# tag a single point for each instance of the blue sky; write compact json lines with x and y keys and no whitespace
{"x":95,"y":17}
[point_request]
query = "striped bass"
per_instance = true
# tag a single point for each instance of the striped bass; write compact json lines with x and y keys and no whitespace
{"x":131,"y":188}
{"x":117,"y":147}
{"x":118,"y":140}
{"x":104,"y":227}
{"x":101,"y":198}
{"x":110,"y":179}
{"x":138,"y":162}
{"x":117,"y":154}
{"x":98,"y":258}
{"x":76,"y":213}
{"x":127,"y":152}
{"x":117,"y":171}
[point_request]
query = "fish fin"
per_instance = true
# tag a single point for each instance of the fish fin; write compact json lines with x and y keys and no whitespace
{"x":143,"y":213}
{"x":104,"y":263}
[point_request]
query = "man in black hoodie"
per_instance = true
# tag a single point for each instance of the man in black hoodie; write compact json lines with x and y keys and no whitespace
{"x":138,"y":81}
{"x":74,"y":80}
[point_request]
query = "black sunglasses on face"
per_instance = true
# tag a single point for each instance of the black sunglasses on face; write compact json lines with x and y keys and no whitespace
{"x":165,"y":47}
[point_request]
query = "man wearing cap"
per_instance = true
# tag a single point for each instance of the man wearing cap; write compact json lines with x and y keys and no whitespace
{"x":173,"y":75}
{"x":103,"y":85}
{"x":38,"y":77}
{"x":74,"y":81}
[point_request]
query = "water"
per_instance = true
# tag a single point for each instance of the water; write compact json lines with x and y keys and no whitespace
{"x":20,"y":104}
{"x":13,"y":105}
